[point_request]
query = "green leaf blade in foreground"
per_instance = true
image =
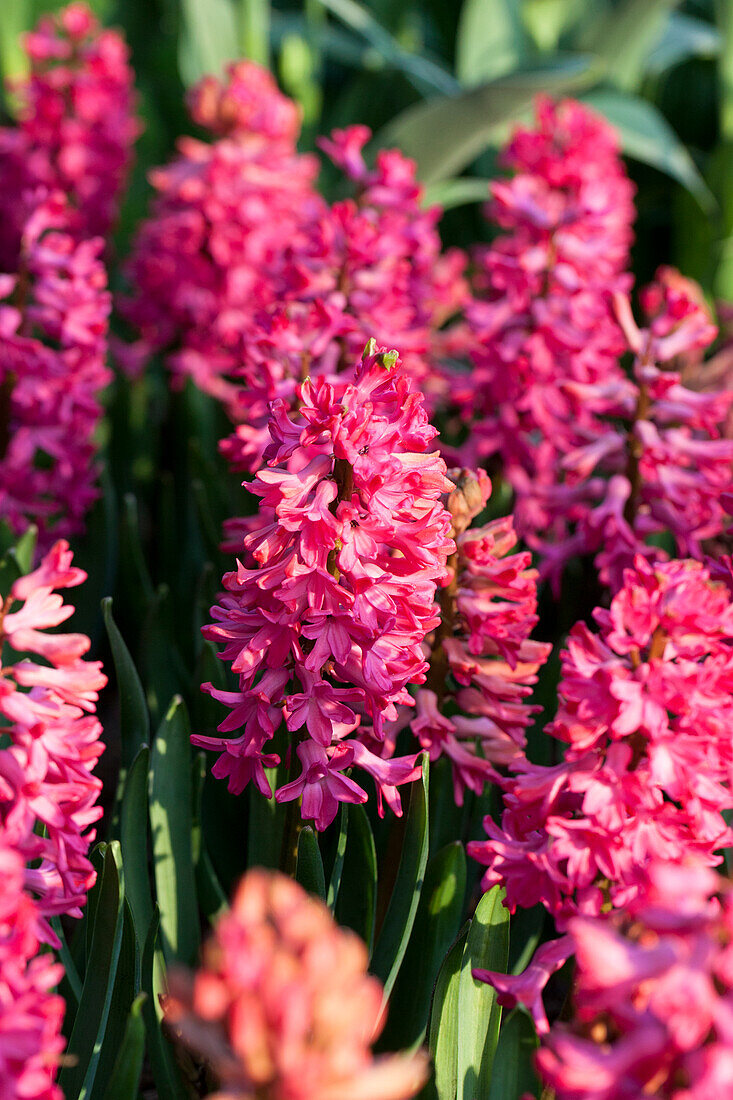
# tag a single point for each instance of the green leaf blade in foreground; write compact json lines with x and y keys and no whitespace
{"x":647,"y":136}
{"x":479,"y":1014}
{"x":134,"y":844}
{"x":436,"y":926}
{"x":443,"y":1024}
{"x":134,"y":717}
{"x":209,"y":38}
{"x":334,"y":882}
{"x":309,"y":864}
{"x":125,"y":1080}
{"x":446,"y":133}
{"x":356,"y":904}
{"x":171,"y":821}
{"x":513,"y":1074}
{"x":623,"y":35}
{"x":166,"y":1075}
{"x":77,"y":1078}
{"x":400,"y":917}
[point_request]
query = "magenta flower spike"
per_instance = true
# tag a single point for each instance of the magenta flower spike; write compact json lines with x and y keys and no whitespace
{"x":324,"y":620}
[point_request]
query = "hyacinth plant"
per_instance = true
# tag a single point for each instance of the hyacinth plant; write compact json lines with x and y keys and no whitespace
{"x":415,"y":774}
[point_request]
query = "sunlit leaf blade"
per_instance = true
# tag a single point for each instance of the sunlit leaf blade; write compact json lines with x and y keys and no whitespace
{"x":479,"y":1014}
{"x":171,"y":828}
{"x":169,"y":1082}
{"x":125,"y":1079}
{"x":134,"y":717}
{"x":446,"y":133}
{"x":683,"y":37}
{"x":513,"y":1074}
{"x":77,"y":1077}
{"x":436,"y":925}
{"x":490,"y":41}
{"x":458,"y":192}
{"x":334,"y":882}
{"x":395,"y":932}
{"x":134,"y":844}
{"x":443,"y":1024}
{"x":209,"y":38}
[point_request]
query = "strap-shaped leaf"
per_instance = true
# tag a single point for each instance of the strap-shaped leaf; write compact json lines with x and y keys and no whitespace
{"x":623,"y":35}
{"x":169,"y":1082}
{"x":443,"y":1023}
{"x":683,"y":36}
{"x":425,"y":75}
{"x":445,"y":133}
{"x":334,"y":882}
{"x":400,"y":917}
{"x":309,"y":865}
{"x":209,"y":38}
{"x":211,"y":897}
{"x":123,"y":994}
{"x":479,"y":1014}
{"x":77,"y":1077}
{"x":436,"y":925}
{"x":125,"y":1079}
{"x":134,"y":844}
{"x":134,"y":717}
{"x":356,"y":904}
{"x":647,"y":136}
{"x":171,"y":822}
{"x":513,"y":1074}
{"x":458,"y":192}
{"x":491,"y":40}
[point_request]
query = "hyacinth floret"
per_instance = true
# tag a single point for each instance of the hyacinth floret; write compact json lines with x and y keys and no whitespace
{"x":325,"y":629}
{"x":54,"y":311}
{"x":76,"y":125}
{"x":48,"y":793}
{"x":645,"y":712}
{"x":283,"y":1005}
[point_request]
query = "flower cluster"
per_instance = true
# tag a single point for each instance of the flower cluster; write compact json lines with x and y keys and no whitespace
{"x":325,"y":630}
{"x":53,"y":318}
{"x":646,"y":712}
{"x":205,"y":261}
{"x":368,"y":264}
{"x":249,"y":281}
{"x":76,"y":125}
{"x":659,"y":463}
{"x":283,"y":1005}
{"x":48,"y":799}
{"x":482,"y":659}
{"x":653,"y":996}
{"x":47,"y":702}
{"x":544,"y":288}
{"x":30,"y":1013}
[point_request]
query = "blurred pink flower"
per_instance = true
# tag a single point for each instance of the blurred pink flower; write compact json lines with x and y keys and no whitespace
{"x":283,"y":1007}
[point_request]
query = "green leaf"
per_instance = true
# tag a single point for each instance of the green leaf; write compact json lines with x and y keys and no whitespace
{"x":513,"y":1074}
{"x":443,"y":1024}
{"x":123,"y":994}
{"x":134,"y":717}
{"x":85,"y":1043}
{"x":479,"y":1014}
{"x":425,"y":75}
{"x":458,"y":192}
{"x":209,"y":38}
{"x":446,"y":133}
{"x":15,"y":18}
{"x":400,"y":917}
{"x":683,"y":37}
{"x":171,"y":825}
{"x":71,"y":974}
{"x":436,"y":925}
{"x":212,"y":899}
{"x":134,"y":844}
{"x":623,"y":35}
{"x":125,"y":1079}
{"x":309,"y":865}
{"x":647,"y":136}
{"x":490,"y":41}
{"x":166,"y":1075}
{"x":25,"y":548}
{"x":724,"y":19}
{"x":255,"y":33}
{"x":334,"y":882}
{"x":356,"y":904}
